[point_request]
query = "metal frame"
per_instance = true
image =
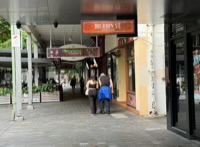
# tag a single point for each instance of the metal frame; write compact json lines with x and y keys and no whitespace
{"x":171,"y":86}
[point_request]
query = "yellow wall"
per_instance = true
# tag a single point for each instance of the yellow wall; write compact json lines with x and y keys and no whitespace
{"x":141,"y":57}
{"x":122,"y":75}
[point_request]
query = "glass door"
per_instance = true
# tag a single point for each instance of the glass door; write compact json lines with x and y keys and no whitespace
{"x":196,"y":73}
{"x":179,"y":96}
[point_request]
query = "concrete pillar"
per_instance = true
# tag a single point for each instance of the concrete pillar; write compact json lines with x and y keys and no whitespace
{"x":151,"y":67}
{"x":30,"y":94}
{"x":16,"y":75}
{"x":36,"y":71}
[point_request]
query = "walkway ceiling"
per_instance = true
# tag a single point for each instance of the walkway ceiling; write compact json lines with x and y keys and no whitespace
{"x":39,"y":15}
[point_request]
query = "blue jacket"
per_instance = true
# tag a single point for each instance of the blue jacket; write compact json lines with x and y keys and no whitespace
{"x":104,"y":93}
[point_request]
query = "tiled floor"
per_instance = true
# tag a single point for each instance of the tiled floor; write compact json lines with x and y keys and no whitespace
{"x":69,"y":124}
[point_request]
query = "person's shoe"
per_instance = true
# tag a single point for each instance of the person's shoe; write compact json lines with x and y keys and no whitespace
{"x":108,"y":112}
{"x":92,"y":114}
{"x":101,"y":112}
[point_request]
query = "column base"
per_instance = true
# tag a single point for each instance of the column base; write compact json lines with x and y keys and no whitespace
{"x":30,"y":107}
{"x":19,"y":118}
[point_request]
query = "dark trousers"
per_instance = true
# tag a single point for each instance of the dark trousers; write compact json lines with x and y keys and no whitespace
{"x":93,"y":104}
{"x":102,"y":102}
{"x":82,"y":89}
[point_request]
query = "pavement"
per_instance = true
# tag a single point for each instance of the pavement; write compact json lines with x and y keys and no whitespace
{"x":69,"y":124}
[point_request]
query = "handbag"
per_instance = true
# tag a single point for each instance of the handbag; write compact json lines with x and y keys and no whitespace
{"x":86,"y":92}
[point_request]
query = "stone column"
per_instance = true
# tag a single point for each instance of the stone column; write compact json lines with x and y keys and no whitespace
{"x":30,"y":81}
{"x":16,"y":75}
{"x":36,"y":71}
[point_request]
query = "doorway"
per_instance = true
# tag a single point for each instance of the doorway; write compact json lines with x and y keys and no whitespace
{"x":196,"y":78}
{"x":179,"y":98}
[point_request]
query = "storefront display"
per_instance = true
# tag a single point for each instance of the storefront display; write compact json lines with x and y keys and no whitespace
{"x":113,"y":72}
{"x":131,"y":95}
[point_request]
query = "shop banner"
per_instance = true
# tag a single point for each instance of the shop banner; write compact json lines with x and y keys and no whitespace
{"x":73,"y":52}
{"x":108,"y":27}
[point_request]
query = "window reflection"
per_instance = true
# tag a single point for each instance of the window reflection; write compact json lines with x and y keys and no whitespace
{"x":180,"y":99}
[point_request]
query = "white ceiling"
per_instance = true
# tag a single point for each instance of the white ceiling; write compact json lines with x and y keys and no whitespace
{"x":63,"y":34}
{"x":42,"y":13}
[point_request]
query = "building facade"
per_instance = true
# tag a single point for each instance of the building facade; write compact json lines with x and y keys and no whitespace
{"x":137,"y":68}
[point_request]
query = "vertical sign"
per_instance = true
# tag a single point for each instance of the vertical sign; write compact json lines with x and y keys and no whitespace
{"x":16,"y":40}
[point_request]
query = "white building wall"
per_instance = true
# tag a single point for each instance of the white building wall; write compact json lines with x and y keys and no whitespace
{"x":159,"y":63}
{"x":154,"y":36}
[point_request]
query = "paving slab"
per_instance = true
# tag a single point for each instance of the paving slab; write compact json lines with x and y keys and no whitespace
{"x":69,"y":124}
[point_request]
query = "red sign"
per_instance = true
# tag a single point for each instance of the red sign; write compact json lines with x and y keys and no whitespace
{"x":108,"y":27}
{"x":108,"y":6}
{"x":73,"y":52}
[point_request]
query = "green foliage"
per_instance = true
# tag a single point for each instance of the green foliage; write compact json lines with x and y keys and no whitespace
{"x":5,"y":45}
{"x":5,"y":35}
{"x":25,"y":90}
{"x":4,"y":30}
{"x":24,"y":37}
{"x":5,"y":91}
{"x":48,"y":87}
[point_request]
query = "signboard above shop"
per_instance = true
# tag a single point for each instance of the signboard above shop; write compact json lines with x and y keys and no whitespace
{"x":108,"y":27}
{"x":73,"y":52}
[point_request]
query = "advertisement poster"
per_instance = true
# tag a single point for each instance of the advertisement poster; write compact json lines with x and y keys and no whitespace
{"x":131,"y":100}
{"x":196,"y":65}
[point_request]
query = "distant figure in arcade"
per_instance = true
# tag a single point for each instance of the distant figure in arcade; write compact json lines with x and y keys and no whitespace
{"x":73,"y":84}
{"x":82,"y":85}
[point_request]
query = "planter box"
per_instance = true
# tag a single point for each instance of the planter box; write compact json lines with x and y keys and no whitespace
{"x":50,"y":96}
{"x":36,"y":98}
{"x":5,"y":99}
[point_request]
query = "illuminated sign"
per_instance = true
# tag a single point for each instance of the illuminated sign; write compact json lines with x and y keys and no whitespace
{"x":108,"y":27}
{"x":108,"y":6}
{"x":73,"y":52}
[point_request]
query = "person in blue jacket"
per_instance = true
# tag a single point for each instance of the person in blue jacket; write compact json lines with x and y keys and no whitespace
{"x":105,"y":93}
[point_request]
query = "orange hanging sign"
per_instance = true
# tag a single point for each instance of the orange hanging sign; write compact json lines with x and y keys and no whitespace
{"x":108,"y":27}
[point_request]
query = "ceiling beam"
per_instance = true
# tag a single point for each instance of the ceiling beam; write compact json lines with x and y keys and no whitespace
{"x":35,"y":35}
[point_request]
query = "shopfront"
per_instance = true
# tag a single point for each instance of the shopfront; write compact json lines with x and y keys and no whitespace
{"x":183,"y":84}
{"x":112,"y":71}
{"x":131,"y":87}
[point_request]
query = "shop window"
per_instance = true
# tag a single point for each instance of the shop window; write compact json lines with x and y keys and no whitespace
{"x":130,"y":49}
{"x":177,"y":29}
{"x":131,"y":75}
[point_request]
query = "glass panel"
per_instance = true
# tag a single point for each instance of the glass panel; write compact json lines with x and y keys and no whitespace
{"x":130,"y":49}
{"x":115,"y":77}
{"x":196,"y":65}
{"x":131,"y":75}
{"x":177,"y":29}
{"x":180,"y":99}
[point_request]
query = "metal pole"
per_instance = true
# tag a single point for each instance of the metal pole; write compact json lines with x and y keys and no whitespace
{"x":81,"y":37}
{"x":13,"y":79}
{"x":64,"y":38}
{"x":30,"y":94}
{"x":36,"y":74}
{"x":97,"y":41}
{"x":21,"y":33}
{"x":50,"y":39}
{"x":16,"y":68}
{"x":18,"y":74}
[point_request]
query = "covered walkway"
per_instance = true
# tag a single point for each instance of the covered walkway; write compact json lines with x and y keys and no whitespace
{"x":69,"y":124}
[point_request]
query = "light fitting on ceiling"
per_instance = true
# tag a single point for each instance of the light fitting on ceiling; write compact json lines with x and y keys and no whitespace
{"x":18,"y":24}
{"x":55,"y":23}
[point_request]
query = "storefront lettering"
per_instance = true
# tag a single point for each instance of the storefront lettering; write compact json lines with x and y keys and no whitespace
{"x":107,"y":26}
{"x":74,"y":52}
